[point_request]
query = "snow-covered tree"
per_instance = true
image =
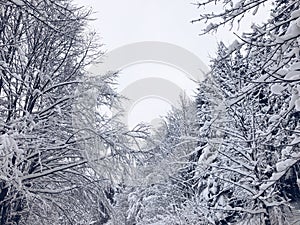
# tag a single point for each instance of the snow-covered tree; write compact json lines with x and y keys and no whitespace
{"x":59,"y":153}
{"x":239,"y":163}
{"x":157,"y":191}
{"x":257,"y":159}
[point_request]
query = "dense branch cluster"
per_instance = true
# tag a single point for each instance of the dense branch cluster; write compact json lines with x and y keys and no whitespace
{"x":57,"y":151}
{"x":229,"y":157}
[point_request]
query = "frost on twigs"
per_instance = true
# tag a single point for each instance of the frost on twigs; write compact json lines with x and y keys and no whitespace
{"x":256,"y":168}
{"x":220,"y":13}
{"x":45,"y":175}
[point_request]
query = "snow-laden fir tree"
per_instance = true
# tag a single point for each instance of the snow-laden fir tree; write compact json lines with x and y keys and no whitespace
{"x":258,"y":157}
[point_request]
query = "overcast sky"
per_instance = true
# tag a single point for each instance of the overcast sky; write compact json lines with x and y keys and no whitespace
{"x":121,"y":22}
{"x":126,"y":21}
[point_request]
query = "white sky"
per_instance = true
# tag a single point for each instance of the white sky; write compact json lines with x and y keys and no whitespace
{"x":121,"y":22}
